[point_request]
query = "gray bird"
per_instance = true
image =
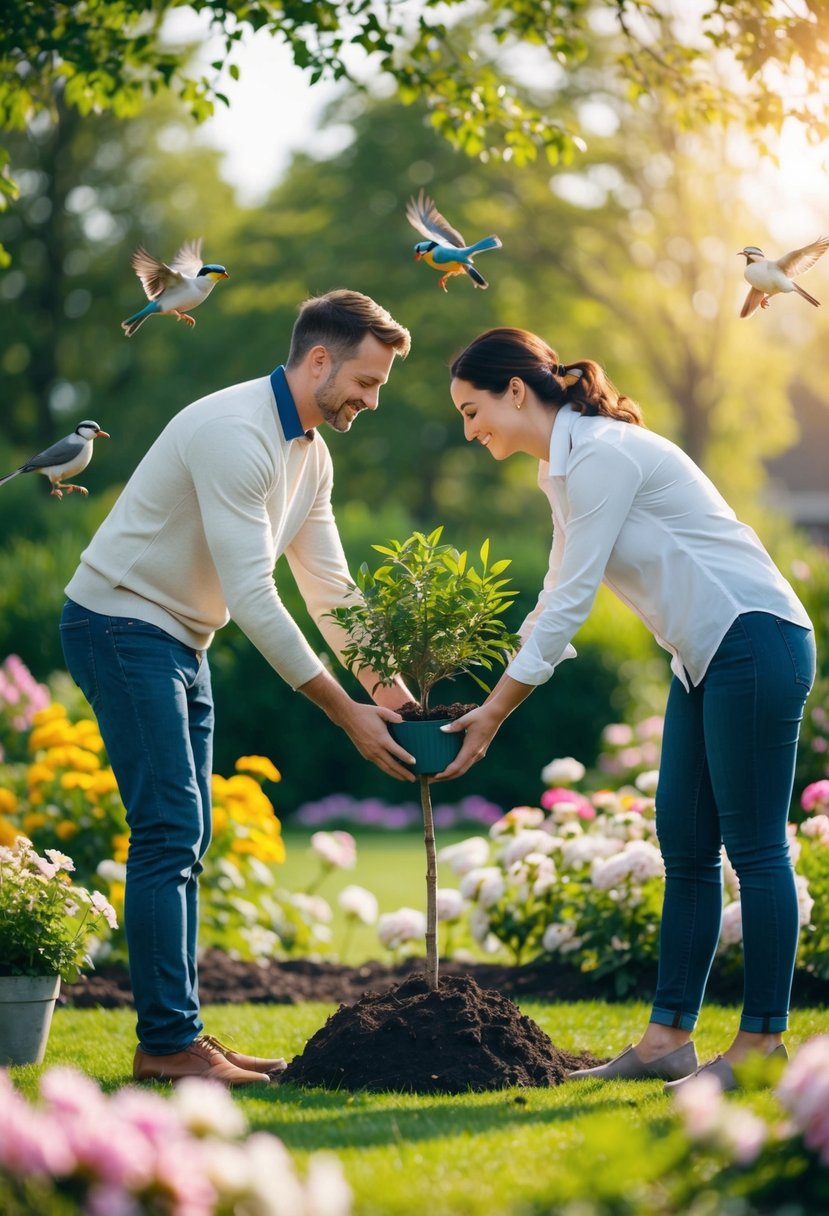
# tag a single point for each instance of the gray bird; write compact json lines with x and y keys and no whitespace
{"x":769,"y":277}
{"x":66,"y":458}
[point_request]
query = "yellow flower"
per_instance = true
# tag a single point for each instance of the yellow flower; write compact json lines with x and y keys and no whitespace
{"x":33,"y":821}
{"x":8,"y":834}
{"x":8,"y":802}
{"x":50,"y":734}
{"x":220,"y":819}
{"x":39,"y":773}
{"x":103,"y":782}
{"x":120,"y":845}
{"x":86,"y":734}
{"x":49,"y":714}
{"x":72,"y":756}
{"x":66,"y":829}
{"x":260,"y":765}
{"x":75,"y":781}
{"x":217,"y":785}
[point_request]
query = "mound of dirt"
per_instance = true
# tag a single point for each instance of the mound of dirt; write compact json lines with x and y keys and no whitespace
{"x":457,"y":1038}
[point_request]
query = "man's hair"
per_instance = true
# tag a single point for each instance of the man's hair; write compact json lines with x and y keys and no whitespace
{"x":339,"y":321}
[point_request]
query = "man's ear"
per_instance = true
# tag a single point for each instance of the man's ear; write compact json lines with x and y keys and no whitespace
{"x":318,"y":361}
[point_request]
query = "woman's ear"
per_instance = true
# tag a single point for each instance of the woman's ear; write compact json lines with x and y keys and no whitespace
{"x":518,"y":389}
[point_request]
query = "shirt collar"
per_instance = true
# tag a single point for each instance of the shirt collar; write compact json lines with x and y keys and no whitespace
{"x":286,"y":406}
{"x":561,"y":439}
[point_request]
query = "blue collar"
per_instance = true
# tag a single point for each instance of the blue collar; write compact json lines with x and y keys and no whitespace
{"x":286,"y":406}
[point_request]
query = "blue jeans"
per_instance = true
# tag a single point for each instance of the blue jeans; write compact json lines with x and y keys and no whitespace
{"x":152,"y":697}
{"x":726,"y":776}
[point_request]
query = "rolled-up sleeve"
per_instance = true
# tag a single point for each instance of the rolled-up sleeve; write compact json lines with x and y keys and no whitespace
{"x":601,"y":483}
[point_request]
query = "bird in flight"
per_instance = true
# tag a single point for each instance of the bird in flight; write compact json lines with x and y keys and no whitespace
{"x":767,"y":278}
{"x":445,"y":249}
{"x":173,"y":289}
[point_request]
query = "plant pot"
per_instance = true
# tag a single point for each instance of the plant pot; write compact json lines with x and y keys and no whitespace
{"x":27,"y":1003}
{"x":431,"y":748}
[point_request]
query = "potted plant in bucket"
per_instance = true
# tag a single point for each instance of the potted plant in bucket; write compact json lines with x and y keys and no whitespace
{"x":427,"y":614}
{"x":45,"y":927}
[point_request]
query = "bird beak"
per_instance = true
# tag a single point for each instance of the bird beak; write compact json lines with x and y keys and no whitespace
{"x":224,"y":275}
{"x":103,"y":434}
{"x":418,"y":255}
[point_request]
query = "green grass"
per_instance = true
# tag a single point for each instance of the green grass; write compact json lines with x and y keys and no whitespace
{"x":470,"y":1155}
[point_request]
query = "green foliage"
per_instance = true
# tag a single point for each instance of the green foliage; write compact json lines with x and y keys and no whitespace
{"x":427,"y":614}
{"x":813,"y":863}
{"x":45,"y":921}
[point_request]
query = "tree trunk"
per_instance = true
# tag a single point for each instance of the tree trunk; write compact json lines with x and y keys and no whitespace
{"x":431,"y":887}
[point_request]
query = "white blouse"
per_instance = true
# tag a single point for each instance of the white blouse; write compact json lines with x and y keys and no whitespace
{"x":632,"y":510}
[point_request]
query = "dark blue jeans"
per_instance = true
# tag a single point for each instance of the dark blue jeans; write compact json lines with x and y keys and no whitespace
{"x":151,"y":695}
{"x":726,"y":776}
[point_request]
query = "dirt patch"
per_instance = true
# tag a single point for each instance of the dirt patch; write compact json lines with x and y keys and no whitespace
{"x":410,"y":711}
{"x":457,"y":1038}
{"x":224,"y":980}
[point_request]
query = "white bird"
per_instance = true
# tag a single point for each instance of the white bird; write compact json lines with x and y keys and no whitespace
{"x":173,"y":289}
{"x":768,"y":277}
{"x":66,"y":458}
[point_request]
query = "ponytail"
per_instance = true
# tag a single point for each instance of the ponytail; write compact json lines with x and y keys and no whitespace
{"x":494,"y":357}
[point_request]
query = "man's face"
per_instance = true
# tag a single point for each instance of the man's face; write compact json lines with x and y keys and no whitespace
{"x":354,"y":385}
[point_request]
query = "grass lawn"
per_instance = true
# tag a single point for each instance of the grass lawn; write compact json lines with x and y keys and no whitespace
{"x":515,"y":1151}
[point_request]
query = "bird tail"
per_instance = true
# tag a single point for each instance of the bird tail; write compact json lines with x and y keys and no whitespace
{"x":488,"y":242}
{"x":9,"y":476}
{"x":806,"y":295}
{"x":476,"y":276}
{"x":138,"y":318}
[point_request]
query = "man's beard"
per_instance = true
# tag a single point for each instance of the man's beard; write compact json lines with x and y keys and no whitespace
{"x":335,"y":411}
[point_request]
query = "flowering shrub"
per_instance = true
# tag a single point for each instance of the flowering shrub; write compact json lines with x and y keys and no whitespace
{"x":20,"y":698}
{"x":45,"y":921}
{"x":136,"y":1153}
{"x":66,"y":797}
{"x":581,"y":877}
{"x":767,"y":1164}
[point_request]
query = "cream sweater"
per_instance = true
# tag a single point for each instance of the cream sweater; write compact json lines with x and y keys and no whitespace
{"x":194,"y":537}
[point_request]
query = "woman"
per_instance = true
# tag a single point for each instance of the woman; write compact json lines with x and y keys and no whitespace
{"x":631,"y":509}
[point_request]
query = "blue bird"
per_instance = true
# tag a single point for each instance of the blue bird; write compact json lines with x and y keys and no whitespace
{"x":445,"y":250}
{"x":174,"y":289}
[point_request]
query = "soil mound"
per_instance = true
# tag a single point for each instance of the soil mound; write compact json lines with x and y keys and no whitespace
{"x":460,"y":1037}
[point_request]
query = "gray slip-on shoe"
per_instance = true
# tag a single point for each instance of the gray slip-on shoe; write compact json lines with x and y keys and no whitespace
{"x":629,"y":1067}
{"x":722,"y":1072}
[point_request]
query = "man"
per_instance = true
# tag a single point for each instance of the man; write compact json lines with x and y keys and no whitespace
{"x":234,"y":480}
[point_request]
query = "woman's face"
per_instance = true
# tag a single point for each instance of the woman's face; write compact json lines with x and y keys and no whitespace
{"x":493,"y":419}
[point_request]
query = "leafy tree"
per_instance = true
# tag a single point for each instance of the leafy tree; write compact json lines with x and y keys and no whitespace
{"x":100,"y":55}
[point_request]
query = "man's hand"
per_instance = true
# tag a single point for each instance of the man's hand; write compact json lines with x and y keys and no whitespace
{"x":366,"y":727}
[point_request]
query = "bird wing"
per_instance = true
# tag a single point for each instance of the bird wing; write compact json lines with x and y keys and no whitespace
{"x":752,"y":302}
{"x":424,"y":216}
{"x":59,"y":453}
{"x":800,"y":260}
{"x":188,"y":260}
{"x":156,"y":276}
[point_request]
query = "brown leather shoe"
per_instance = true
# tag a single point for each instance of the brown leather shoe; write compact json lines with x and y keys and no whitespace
{"x":200,"y":1059}
{"x":249,"y":1063}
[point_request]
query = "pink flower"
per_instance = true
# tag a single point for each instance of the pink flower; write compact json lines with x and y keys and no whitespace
{"x":335,"y":849}
{"x":816,"y":796}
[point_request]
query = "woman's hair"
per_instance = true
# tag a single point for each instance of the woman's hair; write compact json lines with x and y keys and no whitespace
{"x":494,"y":357}
{"x":339,"y":321}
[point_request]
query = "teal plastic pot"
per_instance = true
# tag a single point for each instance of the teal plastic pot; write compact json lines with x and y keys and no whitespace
{"x":431,"y":748}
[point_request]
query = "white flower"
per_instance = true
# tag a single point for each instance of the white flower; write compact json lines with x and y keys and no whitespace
{"x":486,"y":885}
{"x":207,"y":1109}
{"x":647,"y":781}
{"x":700,"y":1104}
{"x":313,"y":907}
{"x":466,"y":855}
{"x":518,"y":818}
{"x":111,"y":871}
{"x":328,"y":1193}
{"x":731,"y":929}
{"x":730,"y":879}
{"x":580,"y":850}
{"x":396,"y":928}
{"x":817,"y":826}
{"x":357,"y":901}
{"x":532,"y":841}
{"x":743,"y":1134}
{"x":450,"y":904}
{"x":645,"y":860}
{"x":556,"y":935}
{"x":104,"y":908}
{"x":335,"y":849}
{"x":617,"y":734}
{"x":805,"y":903}
{"x":564,"y":771}
{"x":60,"y":859}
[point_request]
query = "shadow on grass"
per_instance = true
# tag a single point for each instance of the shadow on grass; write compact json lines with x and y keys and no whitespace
{"x":339,"y":1120}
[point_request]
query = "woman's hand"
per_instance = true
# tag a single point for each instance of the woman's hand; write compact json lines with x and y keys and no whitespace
{"x":481,"y":726}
